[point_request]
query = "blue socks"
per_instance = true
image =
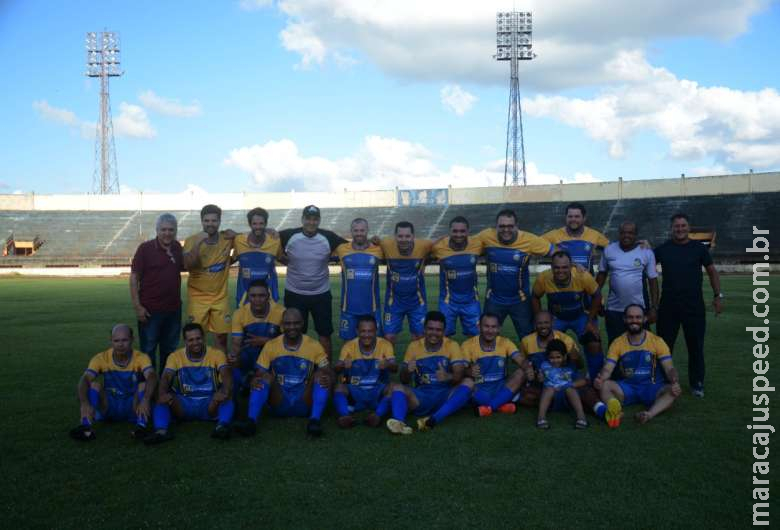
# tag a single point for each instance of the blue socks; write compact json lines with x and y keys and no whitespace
{"x":595,"y":363}
{"x":501,"y":397}
{"x":225,"y":412}
{"x":458,"y":398}
{"x":399,"y":405}
{"x":600,"y":409}
{"x":237,"y":380}
{"x":257,"y":399}
{"x":319,"y":398}
{"x":383,"y":407}
{"x":162,"y":417}
{"x":340,"y":402}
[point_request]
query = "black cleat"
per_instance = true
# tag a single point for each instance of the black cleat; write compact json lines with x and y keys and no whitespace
{"x":246,"y":428}
{"x":314,"y":428}
{"x":140,"y":432}
{"x":221,"y":432}
{"x":158,"y":438}
{"x":82,"y":433}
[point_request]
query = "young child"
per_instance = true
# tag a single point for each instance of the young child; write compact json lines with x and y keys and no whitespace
{"x":560,"y":381}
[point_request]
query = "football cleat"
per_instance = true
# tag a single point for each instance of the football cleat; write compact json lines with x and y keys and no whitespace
{"x":314,"y":428}
{"x":398,"y":427}
{"x":158,"y":438}
{"x":507,"y":408}
{"x":221,"y":432}
{"x":346,"y":422}
{"x":372,"y":420}
{"x":140,"y":432}
{"x":246,"y":428}
{"x":482,"y":411}
{"x":614,"y":413}
{"x":82,"y":433}
{"x":426,"y":424}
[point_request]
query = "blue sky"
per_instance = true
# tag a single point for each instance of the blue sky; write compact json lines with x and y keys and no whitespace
{"x":264,"y":95}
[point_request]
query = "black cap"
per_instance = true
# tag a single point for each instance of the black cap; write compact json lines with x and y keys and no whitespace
{"x":311,"y":211}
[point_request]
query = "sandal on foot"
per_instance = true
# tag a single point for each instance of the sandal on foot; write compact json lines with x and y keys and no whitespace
{"x":542,"y":424}
{"x":581,"y":424}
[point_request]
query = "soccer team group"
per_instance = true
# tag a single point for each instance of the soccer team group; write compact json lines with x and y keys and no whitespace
{"x":264,"y":362}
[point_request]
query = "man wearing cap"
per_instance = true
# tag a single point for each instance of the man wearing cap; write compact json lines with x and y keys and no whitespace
{"x":307,"y":287}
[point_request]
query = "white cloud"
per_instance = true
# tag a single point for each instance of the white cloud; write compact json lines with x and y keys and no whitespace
{"x":454,"y":40}
{"x":54,"y":114}
{"x":454,"y":98}
{"x":735,"y":127}
{"x":379,"y":163}
{"x":133,"y":122}
{"x":169,"y":107}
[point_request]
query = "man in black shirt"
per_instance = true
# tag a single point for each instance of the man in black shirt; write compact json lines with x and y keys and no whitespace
{"x":682,"y":302}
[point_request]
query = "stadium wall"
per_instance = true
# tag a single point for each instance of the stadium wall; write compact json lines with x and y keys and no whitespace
{"x":621,"y":189}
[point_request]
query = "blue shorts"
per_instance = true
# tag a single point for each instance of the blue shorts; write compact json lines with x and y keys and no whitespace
{"x":292,"y":405}
{"x":348,"y":325}
{"x":120,"y":408}
{"x":365,"y":398}
{"x":468,"y":313}
{"x":394,"y":319}
{"x":644,"y":393}
{"x":484,"y":392}
{"x":560,"y":402}
{"x":431,"y":399}
{"x":577,"y":325}
{"x":196,"y":407}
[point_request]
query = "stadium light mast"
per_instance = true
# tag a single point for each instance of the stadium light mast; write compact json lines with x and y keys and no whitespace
{"x":103,"y":62}
{"x":513,"y":44}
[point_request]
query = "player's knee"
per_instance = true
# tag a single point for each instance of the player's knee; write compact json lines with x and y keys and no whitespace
{"x":468,"y":383}
{"x":516,"y":380}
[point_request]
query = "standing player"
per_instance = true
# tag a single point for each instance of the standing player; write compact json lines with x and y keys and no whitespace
{"x":366,"y":363}
{"x":567,"y":288}
{"x":637,"y":353}
{"x":122,"y":396}
{"x":508,"y":251}
{"x":436,"y":365}
{"x":359,"y":279}
{"x":195,"y":385}
{"x":458,"y":295}
{"x":293,"y":376}
{"x":307,"y":287}
{"x":405,"y":295}
{"x":254,"y":324}
{"x":207,"y":258}
{"x":682,"y":302}
{"x":490,"y":355}
{"x":256,"y":253}
{"x":578,"y":240}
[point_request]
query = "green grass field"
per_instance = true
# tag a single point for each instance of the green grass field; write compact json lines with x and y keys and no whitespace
{"x":690,"y":467}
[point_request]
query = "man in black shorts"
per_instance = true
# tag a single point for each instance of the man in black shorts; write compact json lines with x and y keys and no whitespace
{"x":307,"y":286}
{"x":682,"y":303}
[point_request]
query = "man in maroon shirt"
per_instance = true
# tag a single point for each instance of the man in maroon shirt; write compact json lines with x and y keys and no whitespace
{"x":155,"y":289}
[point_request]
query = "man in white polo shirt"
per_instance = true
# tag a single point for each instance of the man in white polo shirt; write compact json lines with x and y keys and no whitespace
{"x":627,"y":264}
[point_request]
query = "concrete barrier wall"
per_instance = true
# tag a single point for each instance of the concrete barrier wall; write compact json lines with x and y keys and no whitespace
{"x":626,"y":189}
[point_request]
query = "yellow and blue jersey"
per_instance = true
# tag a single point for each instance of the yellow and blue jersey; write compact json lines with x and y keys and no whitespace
{"x":196,"y":378}
{"x":292,"y":368}
{"x":244,"y":322}
{"x":581,"y":247}
{"x":507,"y":265}
{"x":208,"y":279}
{"x":567,"y":302}
{"x":405,"y":275}
{"x":359,"y":278}
{"x":256,"y":263}
{"x":493,"y":362}
{"x":120,"y":381}
{"x":638,"y":363}
{"x":535,"y":353}
{"x":364,"y":372}
{"x":457,"y":271}
{"x":448,"y":355}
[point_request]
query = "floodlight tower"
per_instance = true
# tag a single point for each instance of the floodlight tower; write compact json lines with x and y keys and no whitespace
{"x":103,"y":62}
{"x":513,"y":44}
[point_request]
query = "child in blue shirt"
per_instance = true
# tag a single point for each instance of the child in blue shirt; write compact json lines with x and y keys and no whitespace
{"x":560,"y":381}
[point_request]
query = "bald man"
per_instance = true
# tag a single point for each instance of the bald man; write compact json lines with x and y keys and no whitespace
{"x":117,"y":385}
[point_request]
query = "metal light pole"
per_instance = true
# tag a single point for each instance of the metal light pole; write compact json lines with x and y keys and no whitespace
{"x":513,"y":43}
{"x":103,"y":62}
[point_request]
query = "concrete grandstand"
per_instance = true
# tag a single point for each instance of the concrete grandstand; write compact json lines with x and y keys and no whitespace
{"x":103,"y":231}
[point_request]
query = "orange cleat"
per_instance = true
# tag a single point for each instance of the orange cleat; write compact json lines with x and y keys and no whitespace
{"x":483,"y":410}
{"x":507,"y":408}
{"x":614,"y":413}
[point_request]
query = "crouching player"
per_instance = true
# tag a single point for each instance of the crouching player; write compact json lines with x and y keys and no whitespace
{"x":489,"y":355}
{"x":436,"y":365}
{"x":196,"y":385}
{"x":122,"y":396}
{"x":560,"y":382}
{"x":253,"y":325}
{"x":293,"y":376}
{"x":637,"y":354}
{"x":366,"y":363}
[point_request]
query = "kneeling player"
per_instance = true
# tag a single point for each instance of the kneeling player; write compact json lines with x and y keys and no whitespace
{"x":436,"y":364}
{"x":489,"y":355}
{"x":293,"y":377}
{"x":637,"y":353}
{"x":365,"y":362}
{"x":190,"y":387}
{"x":560,"y":382}
{"x":121,"y":397}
